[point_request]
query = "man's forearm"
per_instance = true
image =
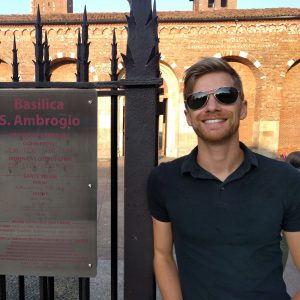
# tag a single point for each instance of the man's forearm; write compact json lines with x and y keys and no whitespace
{"x":167,"y":278}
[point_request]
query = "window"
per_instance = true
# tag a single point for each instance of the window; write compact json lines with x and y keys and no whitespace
{"x":211,"y":3}
{"x":223,"y":3}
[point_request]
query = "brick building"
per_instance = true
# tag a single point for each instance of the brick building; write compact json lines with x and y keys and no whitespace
{"x":262,"y":44}
{"x":52,"y":7}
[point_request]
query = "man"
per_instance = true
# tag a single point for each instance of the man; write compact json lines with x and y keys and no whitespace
{"x":222,"y":205}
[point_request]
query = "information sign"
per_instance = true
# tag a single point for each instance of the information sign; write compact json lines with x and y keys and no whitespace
{"x":48,"y":182}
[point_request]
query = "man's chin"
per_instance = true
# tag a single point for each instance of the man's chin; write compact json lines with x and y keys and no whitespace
{"x":216,"y":138}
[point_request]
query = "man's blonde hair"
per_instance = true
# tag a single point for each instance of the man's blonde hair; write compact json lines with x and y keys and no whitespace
{"x":210,"y":65}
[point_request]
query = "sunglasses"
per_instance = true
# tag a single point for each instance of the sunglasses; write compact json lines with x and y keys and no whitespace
{"x":224,"y":95}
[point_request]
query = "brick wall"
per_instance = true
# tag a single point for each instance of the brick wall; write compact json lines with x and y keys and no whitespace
{"x":289,"y":138}
{"x":260,"y":51}
{"x":264,"y":52}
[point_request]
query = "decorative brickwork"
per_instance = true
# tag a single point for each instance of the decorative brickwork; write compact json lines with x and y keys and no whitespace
{"x":263,"y":45}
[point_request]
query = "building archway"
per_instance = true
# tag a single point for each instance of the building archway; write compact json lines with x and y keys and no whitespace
{"x":173,"y":110}
{"x":289,"y":131}
{"x":170,"y":134}
{"x":63,"y":69}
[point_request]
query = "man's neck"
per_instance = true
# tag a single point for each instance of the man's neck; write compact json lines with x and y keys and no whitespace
{"x":221,"y":159}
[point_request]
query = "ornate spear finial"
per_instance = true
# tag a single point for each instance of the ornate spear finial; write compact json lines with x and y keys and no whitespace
{"x":85,"y":33}
{"x":78,"y":63}
{"x":39,"y":70}
{"x":15,"y":64}
{"x":154,"y":9}
{"x":155,"y":34}
{"x":85,"y":49}
{"x":142,"y":55}
{"x":47,"y":60}
{"x":114,"y":58}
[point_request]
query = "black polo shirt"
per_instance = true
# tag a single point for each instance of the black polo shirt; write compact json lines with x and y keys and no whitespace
{"x":227,"y":234}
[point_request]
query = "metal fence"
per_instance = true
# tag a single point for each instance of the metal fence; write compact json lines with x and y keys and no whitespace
{"x":141,"y":90}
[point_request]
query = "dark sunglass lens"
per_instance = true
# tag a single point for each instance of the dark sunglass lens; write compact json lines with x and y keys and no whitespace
{"x":227,"y":95}
{"x":197,"y":100}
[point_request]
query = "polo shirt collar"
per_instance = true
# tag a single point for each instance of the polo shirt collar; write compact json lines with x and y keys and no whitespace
{"x":191,"y":166}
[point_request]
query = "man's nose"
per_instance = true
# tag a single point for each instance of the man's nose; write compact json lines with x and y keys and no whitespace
{"x":212,"y":103}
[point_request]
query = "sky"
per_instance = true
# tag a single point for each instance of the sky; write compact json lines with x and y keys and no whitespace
{"x":23,"y":6}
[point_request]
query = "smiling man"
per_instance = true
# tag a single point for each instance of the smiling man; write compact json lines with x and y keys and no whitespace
{"x":222,"y":206}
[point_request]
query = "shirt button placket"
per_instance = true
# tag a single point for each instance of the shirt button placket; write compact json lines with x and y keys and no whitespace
{"x":221,"y":191}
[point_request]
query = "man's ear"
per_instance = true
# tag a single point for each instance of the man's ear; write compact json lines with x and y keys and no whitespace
{"x":187,"y":116}
{"x":244,"y":108}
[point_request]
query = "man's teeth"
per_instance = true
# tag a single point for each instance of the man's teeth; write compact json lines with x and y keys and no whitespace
{"x":213,"y":121}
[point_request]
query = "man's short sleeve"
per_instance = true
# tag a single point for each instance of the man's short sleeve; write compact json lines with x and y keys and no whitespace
{"x":292,"y":215}
{"x":156,"y":200}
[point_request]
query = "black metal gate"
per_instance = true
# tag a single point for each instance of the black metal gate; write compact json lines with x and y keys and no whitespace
{"x":141,"y":89}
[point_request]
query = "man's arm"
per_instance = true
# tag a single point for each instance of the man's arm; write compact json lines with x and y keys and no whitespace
{"x":164,"y":265}
{"x":293,"y":240}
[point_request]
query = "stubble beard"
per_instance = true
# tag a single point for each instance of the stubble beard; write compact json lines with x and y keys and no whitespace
{"x":217,"y":138}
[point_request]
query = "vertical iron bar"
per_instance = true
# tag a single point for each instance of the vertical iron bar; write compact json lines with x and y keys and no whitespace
{"x":39,"y":76}
{"x":21,"y":280}
{"x":43,"y":288}
{"x":83,"y":53}
{"x":50,"y":288}
{"x":114,"y":176}
{"x":84,"y":289}
{"x":47,"y":76}
{"x":2,"y":287}
{"x":46,"y":288}
{"x":141,"y":128}
{"x":15,"y":64}
{"x":15,"y":78}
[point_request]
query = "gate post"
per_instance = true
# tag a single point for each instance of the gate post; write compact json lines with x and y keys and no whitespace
{"x":141,"y":63}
